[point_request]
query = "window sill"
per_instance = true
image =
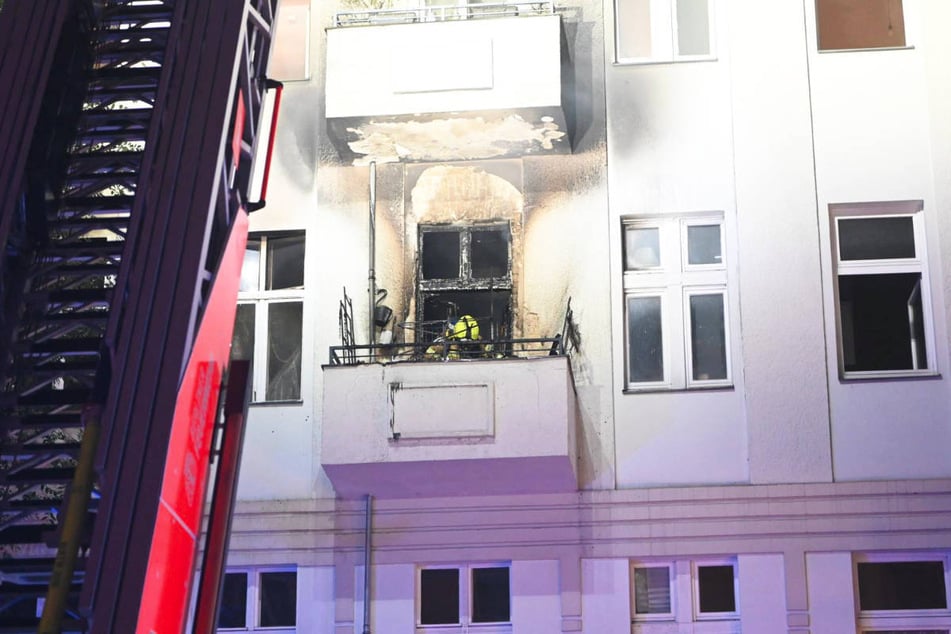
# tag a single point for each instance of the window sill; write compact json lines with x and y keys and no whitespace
{"x":276,"y":403}
{"x":658,"y":62}
{"x":664,"y":389}
{"x":719,"y":616}
{"x":483,"y":628}
{"x":866,"y":377}
{"x":865,"y":50}
{"x":652,"y":618}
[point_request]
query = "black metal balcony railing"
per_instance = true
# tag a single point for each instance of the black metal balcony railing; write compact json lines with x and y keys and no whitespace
{"x":444,"y":340}
{"x":442,"y":13}
{"x":448,"y":349}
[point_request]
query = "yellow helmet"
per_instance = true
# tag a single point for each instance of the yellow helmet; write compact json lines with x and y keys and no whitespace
{"x":466,"y":327}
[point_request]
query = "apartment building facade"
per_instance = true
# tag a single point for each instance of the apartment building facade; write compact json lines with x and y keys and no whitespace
{"x":706,"y":246}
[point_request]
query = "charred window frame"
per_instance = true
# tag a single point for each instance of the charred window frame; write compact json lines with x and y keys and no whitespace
{"x":269,"y":320}
{"x":466,"y":270}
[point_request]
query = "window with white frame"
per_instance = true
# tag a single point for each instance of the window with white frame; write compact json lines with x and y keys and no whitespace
{"x":663,"y":30}
{"x":715,"y":590}
{"x":477,"y":594}
{"x":653,"y":590}
{"x":860,"y":24}
{"x":269,"y":321}
{"x":711,"y":594}
{"x":902,"y":592}
{"x":883,"y":290}
{"x":258,"y":599}
{"x":676,"y":303}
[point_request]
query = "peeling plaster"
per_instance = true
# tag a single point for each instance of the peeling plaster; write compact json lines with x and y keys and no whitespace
{"x":452,"y":139}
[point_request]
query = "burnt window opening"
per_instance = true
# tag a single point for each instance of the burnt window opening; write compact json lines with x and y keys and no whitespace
{"x":465,"y":270}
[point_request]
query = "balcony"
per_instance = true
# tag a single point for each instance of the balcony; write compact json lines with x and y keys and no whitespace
{"x":459,"y":426}
{"x":447,"y":83}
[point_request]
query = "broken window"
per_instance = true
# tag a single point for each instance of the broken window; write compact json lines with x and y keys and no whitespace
{"x":269,"y":322}
{"x":466,"y":270}
{"x":883,"y":293}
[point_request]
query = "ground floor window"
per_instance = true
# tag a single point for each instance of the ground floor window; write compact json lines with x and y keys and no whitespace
{"x":657,"y":596}
{"x":475,"y":594}
{"x":902,"y":592}
{"x":258,"y":598}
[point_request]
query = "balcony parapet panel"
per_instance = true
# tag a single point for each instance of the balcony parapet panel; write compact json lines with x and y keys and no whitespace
{"x":403,"y":88}
{"x":449,"y":428}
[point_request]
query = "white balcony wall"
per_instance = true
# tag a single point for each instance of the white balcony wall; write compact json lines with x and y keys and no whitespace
{"x":484,"y":64}
{"x":877,"y":120}
{"x":465,"y":427}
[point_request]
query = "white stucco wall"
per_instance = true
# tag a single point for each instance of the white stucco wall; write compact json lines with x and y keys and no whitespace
{"x":670,"y":151}
{"x":536,"y":599}
{"x":606,"y":592}
{"x":875,"y":141}
{"x":315,"y":599}
{"x":831,"y":611}
{"x":762,"y":600}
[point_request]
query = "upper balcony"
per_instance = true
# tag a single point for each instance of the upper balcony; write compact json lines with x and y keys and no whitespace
{"x":447,"y":83}
{"x":475,"y":418}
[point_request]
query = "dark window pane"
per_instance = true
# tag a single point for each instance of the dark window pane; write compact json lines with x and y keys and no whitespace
{"x":489,"y":253}
{"x":847,"y":24}
{"x":882,"y":322}
{"x":490,"y":595}
{"x":716,"y":588}
{"x":242,"y":341}
{"x":278,"y":599}
{"x":915,"y":631}
{"x":251,"y":268}
{"x":285,"y":323}
{"x":440,"y":255}
{"x":902,"y":585}
{"x":285,"y":262}
{"x":708,"y":337}
{"x":703,"y":244}
{"x":652,"y":590}
{"x":645,"y":339}
{"x":693,"y":28}
{"x":439,"y":596}
{"x":641,"y":248}
{"x":876,"y":238}
{"x":490,"y":309}
{"x":234,"y":600}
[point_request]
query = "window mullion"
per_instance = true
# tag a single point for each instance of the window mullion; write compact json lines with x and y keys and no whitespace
{"x":465,"y":595}
{"x":252,"y":611}
{"x":676,"y":346}
{"x":465,"y":257}
{"x":259,"y":381}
